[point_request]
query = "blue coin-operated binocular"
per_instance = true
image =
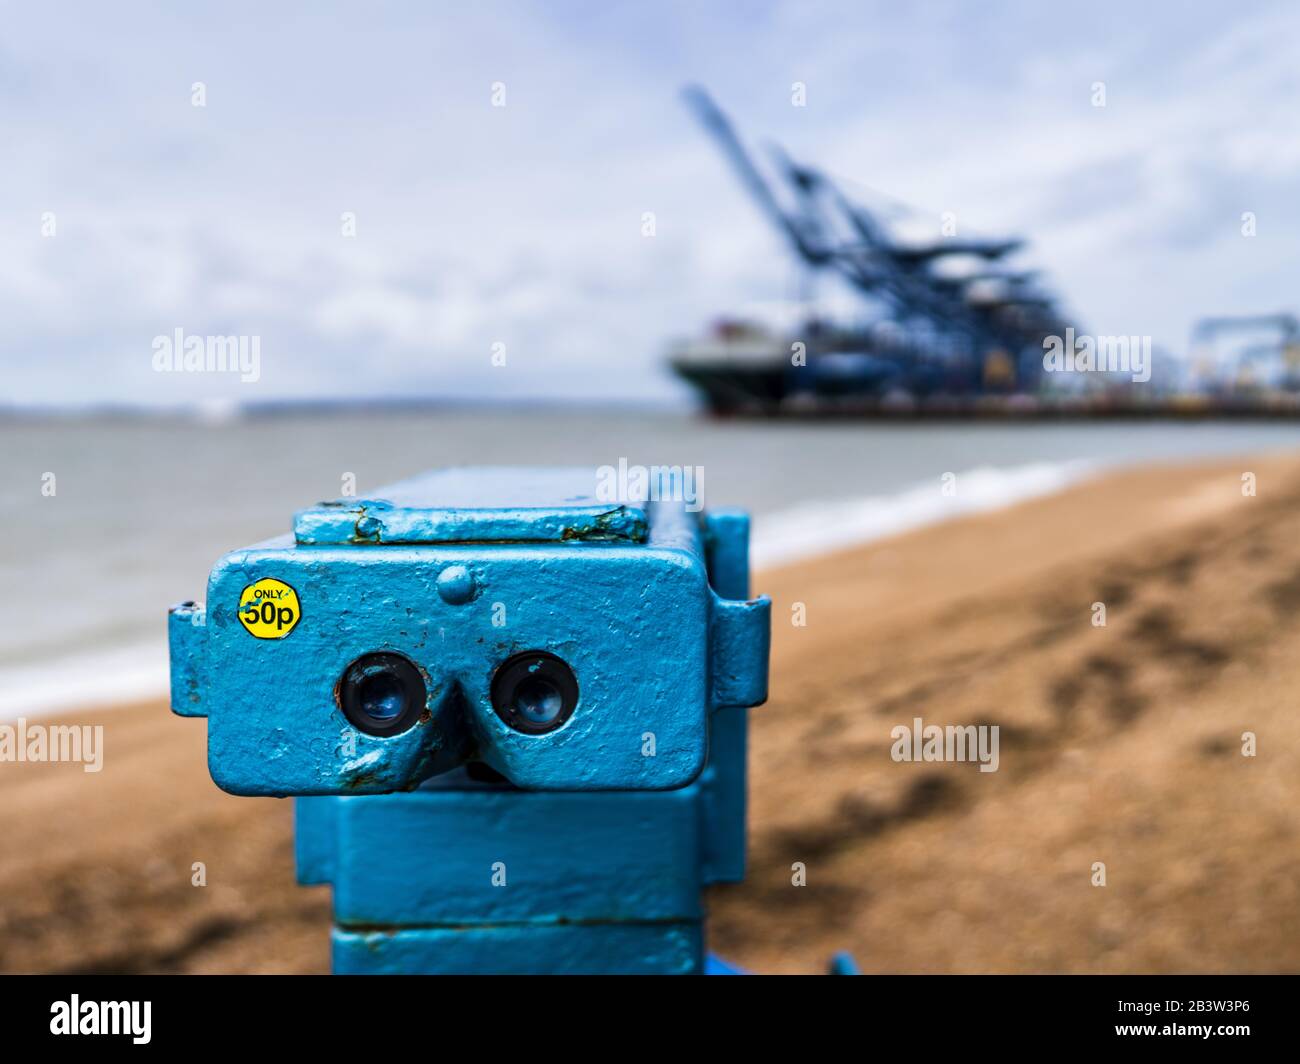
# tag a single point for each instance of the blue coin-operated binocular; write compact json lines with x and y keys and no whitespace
{"x":554,"y":681}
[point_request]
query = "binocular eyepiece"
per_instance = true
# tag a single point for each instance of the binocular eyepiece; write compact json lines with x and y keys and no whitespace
{"x":385,"y":693}
{"x":534,"y":692}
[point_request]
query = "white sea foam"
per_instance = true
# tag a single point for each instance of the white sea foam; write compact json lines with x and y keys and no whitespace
{"x":813,"y":528}
{"x":90,"y":680}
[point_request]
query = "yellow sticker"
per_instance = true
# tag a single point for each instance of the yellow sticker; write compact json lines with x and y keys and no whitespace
{"x":269,"y":608}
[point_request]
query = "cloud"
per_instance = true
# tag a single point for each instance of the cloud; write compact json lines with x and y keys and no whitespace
{"x":523,"y":225}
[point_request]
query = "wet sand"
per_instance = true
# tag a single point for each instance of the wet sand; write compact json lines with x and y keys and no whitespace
{"x":1118,"y":744}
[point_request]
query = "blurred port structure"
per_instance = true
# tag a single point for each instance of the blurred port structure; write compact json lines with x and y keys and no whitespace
{"x":948,"y":327}
{"x":1235,"y":357}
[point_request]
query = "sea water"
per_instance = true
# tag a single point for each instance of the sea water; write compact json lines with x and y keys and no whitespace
{"x":142,"y":506}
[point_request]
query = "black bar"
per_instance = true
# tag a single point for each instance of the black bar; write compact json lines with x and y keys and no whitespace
{"x":332,"y":1015}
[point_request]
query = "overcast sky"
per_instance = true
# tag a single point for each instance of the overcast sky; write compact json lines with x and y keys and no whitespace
{"x":522,"y":224}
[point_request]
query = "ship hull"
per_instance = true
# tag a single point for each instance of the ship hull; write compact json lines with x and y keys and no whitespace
{"x":766,"y":391}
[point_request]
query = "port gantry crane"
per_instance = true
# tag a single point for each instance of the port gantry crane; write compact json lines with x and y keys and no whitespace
{"x":1278,"y":357}
{"x":952,"y":327}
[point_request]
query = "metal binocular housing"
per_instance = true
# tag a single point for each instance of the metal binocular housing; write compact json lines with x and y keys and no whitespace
{"x":508,"y":622}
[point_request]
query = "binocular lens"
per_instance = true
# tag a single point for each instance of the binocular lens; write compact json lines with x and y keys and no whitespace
{"x":534,"y":692}
{"x":382,"y":694}
{"x":381,"y":697}
{"x":538,"y":701}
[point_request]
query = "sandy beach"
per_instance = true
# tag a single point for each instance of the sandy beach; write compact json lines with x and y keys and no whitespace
{"x":1118,"y":744}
